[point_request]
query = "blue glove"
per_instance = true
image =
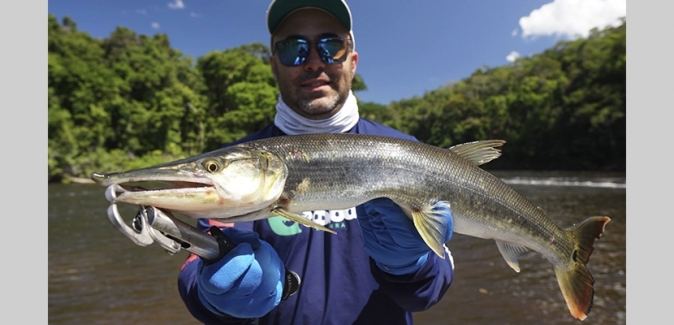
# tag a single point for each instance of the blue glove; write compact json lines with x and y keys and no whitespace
{"x":247,"y":282}
{"x":391,"y":238}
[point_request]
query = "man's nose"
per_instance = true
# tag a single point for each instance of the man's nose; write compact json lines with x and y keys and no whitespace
{"x":313,"y":61}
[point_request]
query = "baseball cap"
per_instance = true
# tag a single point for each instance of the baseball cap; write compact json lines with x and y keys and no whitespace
{"x":279,"y":9}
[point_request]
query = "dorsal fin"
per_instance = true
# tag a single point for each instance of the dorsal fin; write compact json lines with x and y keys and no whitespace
{"x":479,"y":152}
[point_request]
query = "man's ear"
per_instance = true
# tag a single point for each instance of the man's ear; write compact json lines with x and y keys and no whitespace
{"x":354,"y":62}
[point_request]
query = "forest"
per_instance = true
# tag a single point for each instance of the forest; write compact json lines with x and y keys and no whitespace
{"x":130,"y":101}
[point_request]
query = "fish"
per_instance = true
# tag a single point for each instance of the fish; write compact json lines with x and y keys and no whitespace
{"x":287,"y":175}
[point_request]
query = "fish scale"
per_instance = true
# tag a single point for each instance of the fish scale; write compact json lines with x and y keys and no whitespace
{"x":473,"y":193}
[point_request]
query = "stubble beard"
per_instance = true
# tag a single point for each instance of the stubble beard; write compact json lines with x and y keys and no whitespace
{"x":318,"y":106}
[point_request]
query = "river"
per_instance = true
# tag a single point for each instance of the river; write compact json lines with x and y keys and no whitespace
{"x":98,"y":276}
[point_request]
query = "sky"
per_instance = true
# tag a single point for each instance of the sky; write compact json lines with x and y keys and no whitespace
{"x":406,"y":48}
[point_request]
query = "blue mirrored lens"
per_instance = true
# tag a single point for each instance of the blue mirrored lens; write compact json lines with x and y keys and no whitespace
{"x":332,"y":50}
{"x":292,"y":52}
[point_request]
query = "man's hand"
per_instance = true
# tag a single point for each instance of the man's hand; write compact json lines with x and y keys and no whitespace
{"x":391,"y":238}
{"x":247,"y":282}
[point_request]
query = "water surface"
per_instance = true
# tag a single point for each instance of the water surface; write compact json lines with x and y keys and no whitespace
{"x":98,"y":276}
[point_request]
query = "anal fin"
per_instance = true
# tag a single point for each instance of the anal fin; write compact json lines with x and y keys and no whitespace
{"x":511,"y":253}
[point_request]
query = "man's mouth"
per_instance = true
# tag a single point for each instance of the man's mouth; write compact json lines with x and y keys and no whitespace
{"x":315,"y":84}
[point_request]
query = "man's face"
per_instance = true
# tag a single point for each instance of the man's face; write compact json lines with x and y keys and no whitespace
{"x":314,"y":89}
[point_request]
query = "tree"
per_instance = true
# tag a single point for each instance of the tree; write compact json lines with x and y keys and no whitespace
{"x":241,"y":90}
{"x":130,"y":100}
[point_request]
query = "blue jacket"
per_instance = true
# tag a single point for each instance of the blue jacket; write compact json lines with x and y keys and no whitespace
{"x":340,"y":282}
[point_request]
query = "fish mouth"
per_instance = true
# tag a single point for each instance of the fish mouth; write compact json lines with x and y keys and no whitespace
{"x":153,"y":182}
{"x":153,"y":186}
{"x":131,"y":186}
{"x":126,"y":191}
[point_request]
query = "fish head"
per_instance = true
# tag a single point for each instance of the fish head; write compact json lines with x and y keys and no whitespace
{"x":220,"y":184}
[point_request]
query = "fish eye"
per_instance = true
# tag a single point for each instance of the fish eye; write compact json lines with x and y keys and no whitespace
{"x":211,"y":165}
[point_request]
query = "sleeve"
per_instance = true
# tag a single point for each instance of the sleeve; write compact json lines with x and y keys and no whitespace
{"x":189,"y":290}
{"x":421,"y":290}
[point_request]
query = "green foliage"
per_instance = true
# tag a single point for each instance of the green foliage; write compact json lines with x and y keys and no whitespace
{"x":564,"y":108}
{"x":358,"y":84}
{"x":131,"y":100}
{"x":241,"y":90}
{"x":375,"y":112}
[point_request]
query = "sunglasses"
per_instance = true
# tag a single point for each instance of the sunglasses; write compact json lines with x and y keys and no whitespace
{"x":293,"y":52}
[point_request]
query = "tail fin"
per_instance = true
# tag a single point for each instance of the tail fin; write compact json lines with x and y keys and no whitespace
{"x":576,"y":281}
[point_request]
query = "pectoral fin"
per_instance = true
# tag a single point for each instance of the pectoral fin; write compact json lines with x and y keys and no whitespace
{"x":431,"y":223}
{"x":300,"y":219}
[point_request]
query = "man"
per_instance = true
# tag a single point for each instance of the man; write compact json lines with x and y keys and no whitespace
{"x":376,"y":269}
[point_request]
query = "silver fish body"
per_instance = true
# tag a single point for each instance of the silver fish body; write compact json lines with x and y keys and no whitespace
{"x":291,"y":174}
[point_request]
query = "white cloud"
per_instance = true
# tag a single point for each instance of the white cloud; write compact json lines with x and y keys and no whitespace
{"x":177,"y":4}
{"x":194,"y":14}
{"x":155,"y":25}
{"x":514,"y":32}
{"x":141,"y":11}
{"x":512,"y":56}
{"x":572,"y":18}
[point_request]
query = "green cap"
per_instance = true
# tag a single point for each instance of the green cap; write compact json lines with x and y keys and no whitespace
{"x":279,"y":9}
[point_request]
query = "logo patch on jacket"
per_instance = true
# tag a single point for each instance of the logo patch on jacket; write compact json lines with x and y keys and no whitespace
{"x":333,"y":219}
